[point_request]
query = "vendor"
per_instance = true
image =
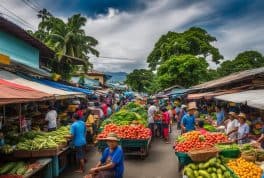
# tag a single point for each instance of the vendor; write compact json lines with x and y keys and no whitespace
{"x":111,"y":164}
{"x":51,"y":118}
{"x":220,"y":115}
{"x":261,"y":138}
{"x":231,"y":126}
{"x":165,"y":124}
{"x":188,"y":120}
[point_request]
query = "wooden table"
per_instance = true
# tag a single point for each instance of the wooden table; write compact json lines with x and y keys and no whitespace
{"x":45,"y":163}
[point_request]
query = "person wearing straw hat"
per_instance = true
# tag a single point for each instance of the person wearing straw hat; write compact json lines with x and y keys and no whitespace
{"x":242,"y":130}
{"x":188,"y":120}
{"x":231,"y":125}
{"x":111,"y":164}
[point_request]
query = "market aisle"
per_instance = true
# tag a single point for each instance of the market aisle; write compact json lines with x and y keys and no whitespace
{"x":161,"y":163}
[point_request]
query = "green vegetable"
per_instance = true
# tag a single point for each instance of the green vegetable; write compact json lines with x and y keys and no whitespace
{"x":7,"y":167}
{"x":17,"y":166}
{"x":21,"y":171}
{"x":204,"y":174}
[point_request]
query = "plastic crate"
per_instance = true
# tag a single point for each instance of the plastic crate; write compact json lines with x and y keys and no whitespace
{"x":183,"y":158}
{"x":230,"y":153}
{"x":126,"y":143}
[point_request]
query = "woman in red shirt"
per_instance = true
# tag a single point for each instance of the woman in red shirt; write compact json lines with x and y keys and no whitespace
{"x":165,"y":124}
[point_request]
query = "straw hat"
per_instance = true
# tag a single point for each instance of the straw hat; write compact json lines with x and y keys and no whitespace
{"x":192,"y":106}
{"x":112,"y":137}
{"x":242,"y":115}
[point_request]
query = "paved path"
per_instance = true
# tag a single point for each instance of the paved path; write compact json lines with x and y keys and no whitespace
{"x":161,"y":163}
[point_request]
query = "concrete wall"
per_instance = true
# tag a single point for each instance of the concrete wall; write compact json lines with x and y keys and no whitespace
{"x":18,"y":50}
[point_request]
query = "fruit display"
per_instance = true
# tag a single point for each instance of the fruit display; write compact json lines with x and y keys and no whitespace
{"x":195,"y":140}
{"x":244,"y":169}
{"x":214,"y":168}
{"x":138,"y":132}
{"x":41,"y":140}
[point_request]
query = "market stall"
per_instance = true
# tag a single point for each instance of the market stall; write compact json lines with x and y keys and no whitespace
{"x":130,"y":125}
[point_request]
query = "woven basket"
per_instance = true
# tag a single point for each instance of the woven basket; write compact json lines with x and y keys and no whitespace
{"x":203,"y":155}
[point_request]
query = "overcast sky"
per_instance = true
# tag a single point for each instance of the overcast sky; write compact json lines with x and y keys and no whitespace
{"x":129,"y":28}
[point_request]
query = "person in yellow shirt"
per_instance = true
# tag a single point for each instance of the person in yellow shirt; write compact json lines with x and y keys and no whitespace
{"x":90,"y":125}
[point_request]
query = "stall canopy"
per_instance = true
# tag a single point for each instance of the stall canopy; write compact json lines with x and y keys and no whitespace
{"x":209,"y":95}
{"x":14,"y":93}
{"x":177,"y":92}
{"x":62,"y":86}
{"x":58,"y":94}
{"x":253,"y":98}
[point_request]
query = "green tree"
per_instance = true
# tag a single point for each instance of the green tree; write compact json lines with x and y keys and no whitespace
{"x":195,"y":41}
{"x":184,"y":70}
{"x":140,"y":79}
{"x":243,"y":61}
{"x":68,"y":40}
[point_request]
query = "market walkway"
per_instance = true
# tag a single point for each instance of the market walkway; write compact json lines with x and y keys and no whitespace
{"x":161,"y":163}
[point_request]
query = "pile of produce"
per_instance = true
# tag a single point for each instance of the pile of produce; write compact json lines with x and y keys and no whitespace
{"x":129,"y":113}
{"x":227,"y":147}
{"x":41,"y":140}
{"x":6,"y":149}
{"x":214,"y":168}
{"x":138,"y":132}
{"x":245,"y":169}
{"x":13,"y":168}
{"x":195,"y":140}
{"x":209,"y":128}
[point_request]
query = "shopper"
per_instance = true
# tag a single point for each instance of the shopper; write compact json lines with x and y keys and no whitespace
{"x":104,"y":108}
{"x":51,"y":118}
{"x":151,"y":112}
{"x":109,"y":110}
{"x":188,"y":120}
{"x":117,"y":106}
{"x":78,"y":134}
{"x":111,"y":164}
{"x":261,"y":138}
{"x":165,"y":124}
{"x":232,"y":124}
{"x":220,"y":115}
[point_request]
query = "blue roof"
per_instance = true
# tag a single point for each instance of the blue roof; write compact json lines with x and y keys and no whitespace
{"x":178,"y":92}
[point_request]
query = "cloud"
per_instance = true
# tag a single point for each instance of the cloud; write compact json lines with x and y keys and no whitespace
{"x":132,"y":32}
{"x":133,"y":35}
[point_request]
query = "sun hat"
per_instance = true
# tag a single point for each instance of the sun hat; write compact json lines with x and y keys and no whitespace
{"x":242,"y":115}
{"x":112,"y":137}
{"x":192,"y":106}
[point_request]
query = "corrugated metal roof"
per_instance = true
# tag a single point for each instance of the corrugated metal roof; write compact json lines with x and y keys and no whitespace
{"x":230,"y":79}
{"x":253,"y":98}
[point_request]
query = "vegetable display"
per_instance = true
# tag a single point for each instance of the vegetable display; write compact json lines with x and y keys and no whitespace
{"x":228,"y":147}
{"x":194,"y":139}
{"x":214,"y":168}
{"x":210,"y":128}
{"x":129,"y":113}
{"x":43,"y":140}
{"x":245,"y":169}
{"x":126,"y":132}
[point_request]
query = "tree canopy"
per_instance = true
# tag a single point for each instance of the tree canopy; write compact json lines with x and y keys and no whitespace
{"x":243,"y":61}
{"x":67,"y":39}
{"x":184,"y":70}
{"x":195,"y":41}
{"x":140,"y":79}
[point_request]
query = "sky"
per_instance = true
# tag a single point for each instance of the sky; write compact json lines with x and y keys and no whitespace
{"x":128,"y":29}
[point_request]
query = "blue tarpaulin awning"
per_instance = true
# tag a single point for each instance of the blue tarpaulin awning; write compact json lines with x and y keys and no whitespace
{"x":62,"y":86}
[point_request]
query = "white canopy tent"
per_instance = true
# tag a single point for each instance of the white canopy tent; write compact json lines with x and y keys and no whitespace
{"x":59,"y":94}
{"x":253,"y":98}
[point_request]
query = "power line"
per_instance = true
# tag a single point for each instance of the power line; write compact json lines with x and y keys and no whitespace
{"x":35,"y":4}
{"x":29,"y":5}
{"x":21,"y":20}
{"x":16,"y":20}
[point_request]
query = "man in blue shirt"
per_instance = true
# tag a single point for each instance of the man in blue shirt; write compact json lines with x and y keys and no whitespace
{"x":220,"y":115}
{"x":111,"y":164}
{"x":78,"y":134}
{"x":188,"y":120}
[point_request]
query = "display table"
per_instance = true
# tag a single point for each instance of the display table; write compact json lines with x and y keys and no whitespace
{"x":60,"y":161}
{"x":45,"y":164}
